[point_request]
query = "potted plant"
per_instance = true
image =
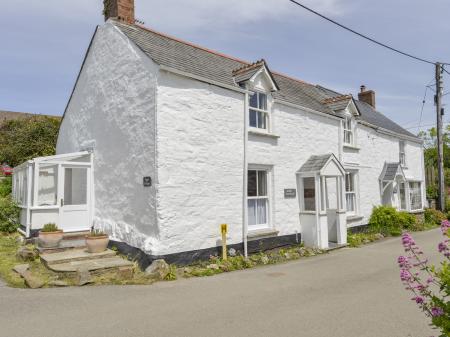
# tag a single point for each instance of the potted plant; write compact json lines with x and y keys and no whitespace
{"x":50,"y":236}
{"x":96,"y":241}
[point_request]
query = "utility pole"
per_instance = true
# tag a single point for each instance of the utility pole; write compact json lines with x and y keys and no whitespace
{"x":440,"y":143}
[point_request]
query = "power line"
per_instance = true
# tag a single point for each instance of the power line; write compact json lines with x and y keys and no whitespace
{"x":364,"y":36}
{"x":423,"y":105}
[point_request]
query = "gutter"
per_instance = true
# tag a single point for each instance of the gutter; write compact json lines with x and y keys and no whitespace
{"x":245,"y":176}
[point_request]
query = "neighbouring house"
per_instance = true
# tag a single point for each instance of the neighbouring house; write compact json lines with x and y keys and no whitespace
{"x":162,"y":141}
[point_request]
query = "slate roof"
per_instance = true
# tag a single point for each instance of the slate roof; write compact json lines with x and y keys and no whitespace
{"x":315,"y":163}
{"x":390,"y":172}
{"x":211,"y":65}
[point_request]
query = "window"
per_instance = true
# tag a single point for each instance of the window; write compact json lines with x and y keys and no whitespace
{"x":48,"y":182}
{"x":350,"y":192}
{"x":75,"y":186}
{"x":402,"y":154}
{"x":309,"y":194}
{"x":257,"y":199}
{"x":258,"y":117}
{"x":402,"y":196}
{"x":415,"y":195}
{"x":348,"y":131}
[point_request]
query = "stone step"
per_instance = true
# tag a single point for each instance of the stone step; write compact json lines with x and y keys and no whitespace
{"x":75,"y":235}
{"x":94,"y":266}
{"x":64,"y":246}
{"x":74,"y":255}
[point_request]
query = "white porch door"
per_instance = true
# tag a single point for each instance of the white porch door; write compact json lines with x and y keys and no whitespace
{"x":74,"y":197}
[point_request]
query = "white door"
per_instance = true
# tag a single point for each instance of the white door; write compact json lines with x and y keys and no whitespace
{"x":74,"y":196}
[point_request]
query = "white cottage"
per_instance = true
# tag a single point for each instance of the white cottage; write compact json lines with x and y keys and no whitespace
{"x":177,"y":139}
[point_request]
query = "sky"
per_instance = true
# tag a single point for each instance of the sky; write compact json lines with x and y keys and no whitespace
{"x":43,"y":43}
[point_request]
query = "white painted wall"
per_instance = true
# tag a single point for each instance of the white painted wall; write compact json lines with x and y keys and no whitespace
{"x":113,"y":107}
{"x":200,"y":163}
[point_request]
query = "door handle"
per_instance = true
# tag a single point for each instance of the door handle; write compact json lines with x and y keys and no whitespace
{"x":62,"y":202}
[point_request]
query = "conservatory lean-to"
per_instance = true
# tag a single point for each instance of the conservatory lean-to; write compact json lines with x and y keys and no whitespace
{"x":55,"y":189}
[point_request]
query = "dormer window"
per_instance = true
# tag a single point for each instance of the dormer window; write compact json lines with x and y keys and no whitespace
{"x":258,"y":112}
{"x":402,"y":153}
{"x":349,"y":137}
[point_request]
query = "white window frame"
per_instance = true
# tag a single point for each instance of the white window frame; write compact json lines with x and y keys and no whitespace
{"x":266,"y":197}
{"x":349,"y":129}
{"x":265,"y":113}
{"x":405,"y":191}
{"x":410,"y":193}
{"x":354,"y":193}
{"x":402,"y":153}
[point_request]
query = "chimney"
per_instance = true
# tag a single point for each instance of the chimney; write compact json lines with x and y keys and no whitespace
{"x":367,"y":96}
{"x":122,"y":10}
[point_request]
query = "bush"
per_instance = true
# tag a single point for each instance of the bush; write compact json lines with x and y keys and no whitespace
{"x":434,"y":217}
{"x":9,"y":215}
{"x":388,"y":221}
{"x":49,"y":228}
{"x":5,"y":186}
{"x":432,"y":191}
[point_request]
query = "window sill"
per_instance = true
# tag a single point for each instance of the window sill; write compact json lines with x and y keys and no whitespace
{"x":262,"y":133}
{"x":416,"y":211}
{"x":351,"y":147}
{"x":259,"y":233}
{"x":355,"y":218}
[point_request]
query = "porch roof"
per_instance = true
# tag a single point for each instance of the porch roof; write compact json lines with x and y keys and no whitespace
{"x":317,"y":164}
{"x":390,"y":172}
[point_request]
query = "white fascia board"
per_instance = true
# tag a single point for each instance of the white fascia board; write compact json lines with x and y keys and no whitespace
{"x":202,"y":79}
{"x":296,"y":106}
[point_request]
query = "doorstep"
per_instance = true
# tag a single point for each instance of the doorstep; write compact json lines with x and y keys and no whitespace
{"x":95,"y":265}
{"x":73,"y":255}
{"x":262,"y":233}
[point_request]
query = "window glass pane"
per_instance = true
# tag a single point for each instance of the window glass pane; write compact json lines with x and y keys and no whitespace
{"x":261,"y":218}
{"x":251,"y":184}
{"x":47,"y":187}
{"x":253,"y":118}
{"x":415,"y":195}
{"x":262,"y":183}
{"x":349,"y":182}
{"x":402,"y":196}
{"x":309,"y":194}
{"x":262,"y":101}
{"x":75,"y":186}
{"x":253,"y":100}
{"x":261,"y":120}
{"x":252,"y":212}
{"x":350,"y":198}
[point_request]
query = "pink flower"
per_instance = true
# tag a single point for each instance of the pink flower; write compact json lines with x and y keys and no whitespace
{"x":436,"y":312}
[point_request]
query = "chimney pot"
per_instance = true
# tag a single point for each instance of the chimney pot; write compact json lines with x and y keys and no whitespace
{"x":367,"y":96}
{"x":122,"y":10}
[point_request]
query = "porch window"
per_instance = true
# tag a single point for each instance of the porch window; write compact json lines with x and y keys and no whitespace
{"x":257,"y":199}
{"x":402,"y":154}
{"x":309,"y":194}
{"x":48,"y":183}
{"x":415,"y":195}
{"x":258,"y":117}
{"x":402,"y":189}
{"x":350,"y":192}
{"x":348,"y":131}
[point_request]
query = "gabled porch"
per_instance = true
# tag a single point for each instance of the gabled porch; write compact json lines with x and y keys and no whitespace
{"x":55,"y":189}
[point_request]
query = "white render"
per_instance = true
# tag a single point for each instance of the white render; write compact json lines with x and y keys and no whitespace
{"x":141,"y":119}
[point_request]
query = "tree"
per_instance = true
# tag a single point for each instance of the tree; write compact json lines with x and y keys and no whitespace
{"x":24,"y":139}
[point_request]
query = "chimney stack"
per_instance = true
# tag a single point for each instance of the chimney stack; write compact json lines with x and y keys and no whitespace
{"x":122,"y":10}
{"x":367,"y":96}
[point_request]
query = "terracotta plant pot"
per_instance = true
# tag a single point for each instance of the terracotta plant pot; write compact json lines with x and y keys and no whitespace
{"x":97,"y":244}
{"x":50,"y":239}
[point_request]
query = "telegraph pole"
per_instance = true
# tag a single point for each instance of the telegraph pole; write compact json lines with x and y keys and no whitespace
{"x":440,"y":143}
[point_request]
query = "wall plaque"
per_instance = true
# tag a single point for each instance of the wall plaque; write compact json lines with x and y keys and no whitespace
{"x":290,"y":193}
{"x":147,"y":181}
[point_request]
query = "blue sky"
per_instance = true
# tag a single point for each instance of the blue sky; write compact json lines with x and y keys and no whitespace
{"x":43,"y":44}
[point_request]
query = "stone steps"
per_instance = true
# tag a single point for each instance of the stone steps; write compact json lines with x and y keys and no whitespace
{"x":73,"y":255}
{"x":93,"y":266}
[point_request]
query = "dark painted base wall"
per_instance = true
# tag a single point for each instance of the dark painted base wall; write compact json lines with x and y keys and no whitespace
{"x":184,"y":258}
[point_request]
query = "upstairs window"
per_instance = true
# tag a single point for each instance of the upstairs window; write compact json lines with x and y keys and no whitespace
{"x":258,"y":111}
{"x":402,"y":153}
{"x":349,"y":136}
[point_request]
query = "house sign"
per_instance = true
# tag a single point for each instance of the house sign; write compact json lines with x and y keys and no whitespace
{"x":290,"y":193}
{"x":147,"y":181}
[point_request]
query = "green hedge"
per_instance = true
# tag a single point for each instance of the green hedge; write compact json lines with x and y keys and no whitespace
{"x":9,"y":215}
{"x":388,"y":221}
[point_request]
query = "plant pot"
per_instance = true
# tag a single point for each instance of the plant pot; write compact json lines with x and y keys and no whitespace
{"x":50,"y":239}
{"x":97,"y":244}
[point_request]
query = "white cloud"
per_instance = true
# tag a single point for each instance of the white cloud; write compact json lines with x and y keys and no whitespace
{"x":213,"y":14}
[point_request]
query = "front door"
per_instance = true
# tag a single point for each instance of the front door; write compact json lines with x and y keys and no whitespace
{"x":74,"y":198}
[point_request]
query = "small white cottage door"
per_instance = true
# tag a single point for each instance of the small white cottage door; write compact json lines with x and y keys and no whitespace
{"x":74,"y":197}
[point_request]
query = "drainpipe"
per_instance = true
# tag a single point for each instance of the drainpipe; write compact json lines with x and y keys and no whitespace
{"x":245,"y":176}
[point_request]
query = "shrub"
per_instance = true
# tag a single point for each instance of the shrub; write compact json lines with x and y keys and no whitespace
{"x":49,"y":227}
{"x":388,"y":221}
{"x":433,"y":216}
{"x":5,"y":186}
{"x":432,"y":191}
{"x":9,"y":215}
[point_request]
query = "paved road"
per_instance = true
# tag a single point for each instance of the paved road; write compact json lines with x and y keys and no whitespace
{"x":347,"y":293}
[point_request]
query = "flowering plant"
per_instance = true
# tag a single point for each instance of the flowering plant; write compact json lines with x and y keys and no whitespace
{"x":429,"y":284}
